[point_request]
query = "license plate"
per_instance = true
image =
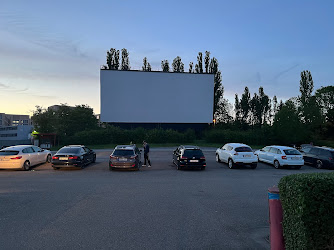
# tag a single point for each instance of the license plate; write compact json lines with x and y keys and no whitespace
{"x":122,"y":159}
{"x":63,"y":158}
{"x":247,"y":155}
{"x":193,"y":161}
{"x":294,"y":158}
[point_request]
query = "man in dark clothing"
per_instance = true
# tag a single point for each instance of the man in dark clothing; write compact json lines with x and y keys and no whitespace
{"x":146,"y":152}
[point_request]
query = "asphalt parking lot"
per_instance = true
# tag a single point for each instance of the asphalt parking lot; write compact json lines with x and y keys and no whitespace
{"x":154,"y":208}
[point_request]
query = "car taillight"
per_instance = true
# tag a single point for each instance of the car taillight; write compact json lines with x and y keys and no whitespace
{"x":113,"y":157}
{"x":183,"y":158}
{"x":236,"y":153}
{"x":132,"y":157}
{"x":55,"y":157}
{"x":133,"y":165}
{"x":73,"y":157}
{"x":16,"y":158}
{"x":330,"y":158}
{"x":283,"y":157}
{"x":202,"y":158}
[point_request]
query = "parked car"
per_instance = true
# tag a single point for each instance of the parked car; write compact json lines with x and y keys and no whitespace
{"x":23,"y":157}
{"x":189,"y":157}
{"x":320,"y":157}
{"x":236,"y":154}
{"x":125,"y":157}
{"x":281,"y":156}
{"x":73,"y":156}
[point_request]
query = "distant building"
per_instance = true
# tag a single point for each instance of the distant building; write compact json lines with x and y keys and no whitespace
{"x":14,"y":120}
{"x":15,"y":129}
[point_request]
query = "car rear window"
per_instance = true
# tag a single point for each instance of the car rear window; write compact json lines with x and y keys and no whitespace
{"x":291,"y":152}
{"x":123,"y":152}
{"x":193,"y":152}
{"x":243,"y":149}
{"x":69,"y":150}
{"x":9,"y":152}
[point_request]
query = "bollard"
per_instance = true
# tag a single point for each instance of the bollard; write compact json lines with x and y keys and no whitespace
{"x":275,"y":219}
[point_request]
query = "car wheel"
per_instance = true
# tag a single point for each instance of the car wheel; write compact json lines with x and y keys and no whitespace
{"x":202,"y":168}
{"x":230,"y":163}
{"x":217,"y":158}
{"x":26,"y":165}
{"x":253,"y":166}
{"x":94,"y":159}
{"x":276,"y":164}
{"x":319,"y":164}
{"x":298,"y":167}
{"x":48,"y":158}
{"x":55,"y":168}
{"x":110,"y":168}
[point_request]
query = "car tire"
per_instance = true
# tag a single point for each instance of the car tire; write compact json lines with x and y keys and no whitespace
{"x":48,"y":158}
{"x":254,"y":166}
{"x":55,"y":168}
{"x":276,"y":164}
{"x":230,"y":163}
{"x":26,"y":166}
{"x":319,"y":164}
{"x":217,"y":158}
{"x":298,"y":167}
{"x":111,"y":169}
{"x":94,"y":159}
{"x":202,"y":168}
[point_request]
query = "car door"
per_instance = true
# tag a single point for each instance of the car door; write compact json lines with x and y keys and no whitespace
{"x":312,"y":156}
{"x":32,"y":156}
{"x":89,"y":154}
{"x":40,"y":156}
{"x":263,"y":153}
{"x":224,"y":153}
{"x":271,"y":155}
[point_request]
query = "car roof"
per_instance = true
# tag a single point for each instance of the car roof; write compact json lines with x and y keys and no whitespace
{"x":327,"y":148}
{"x":281,"y":147}
{"x":126,"y":147}
{"x":237,"y":144}
{"x":17,"y":147}
{"x":190,"y":147}
{"x":74,"y":146}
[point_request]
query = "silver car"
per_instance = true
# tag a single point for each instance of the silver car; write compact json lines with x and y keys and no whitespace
{"x":23,"y":157}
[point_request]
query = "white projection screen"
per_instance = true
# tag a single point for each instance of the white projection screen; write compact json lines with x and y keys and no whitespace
{"x":156,"y":97}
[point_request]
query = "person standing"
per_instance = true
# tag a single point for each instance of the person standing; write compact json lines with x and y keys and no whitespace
{"x":146,"y":154}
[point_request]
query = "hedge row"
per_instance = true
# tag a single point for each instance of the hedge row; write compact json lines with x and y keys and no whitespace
{"x":116,"y":135}
{"x":308,"y":210}
{"x":253,"y":137}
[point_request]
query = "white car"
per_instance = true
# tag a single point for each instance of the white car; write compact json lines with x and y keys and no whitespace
{"x":281,"y":156}
{"x":236,"y":154}
{"x":23,"y":157}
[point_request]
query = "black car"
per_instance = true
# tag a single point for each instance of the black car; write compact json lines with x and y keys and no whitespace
{"x":189,"y":157}
{"x":125,"y":157}
{"x":73,"y":155}
{"x":320,"y":157}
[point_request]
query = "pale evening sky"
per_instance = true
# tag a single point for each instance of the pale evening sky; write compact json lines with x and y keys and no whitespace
{"x":51,"y":51}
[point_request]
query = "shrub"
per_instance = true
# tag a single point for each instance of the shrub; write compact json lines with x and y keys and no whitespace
{"x":308,"y":210}
{"x":116,"y":135}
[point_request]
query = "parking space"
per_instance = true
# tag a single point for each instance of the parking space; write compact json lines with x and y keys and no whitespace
{"x":157,"y":207}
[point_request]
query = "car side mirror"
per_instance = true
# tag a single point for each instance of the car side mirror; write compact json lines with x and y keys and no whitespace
{"x":42,"y":150}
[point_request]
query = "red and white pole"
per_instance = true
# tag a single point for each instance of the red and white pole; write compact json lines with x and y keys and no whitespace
{"x":275,"y":219}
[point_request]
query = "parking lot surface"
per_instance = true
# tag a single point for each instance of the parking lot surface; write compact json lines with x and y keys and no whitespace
{"x":154,"y":208}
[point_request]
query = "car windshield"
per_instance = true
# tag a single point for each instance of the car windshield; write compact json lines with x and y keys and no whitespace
{"x":243,"y":149}
{"x":9,"y":152}
{"x":291,"y":152}
{"x":69,"y":151}
{"x":123,"y":152}
{"x":193,"y":153}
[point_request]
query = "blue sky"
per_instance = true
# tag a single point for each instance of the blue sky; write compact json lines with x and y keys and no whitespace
{"x":51,"y":51}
